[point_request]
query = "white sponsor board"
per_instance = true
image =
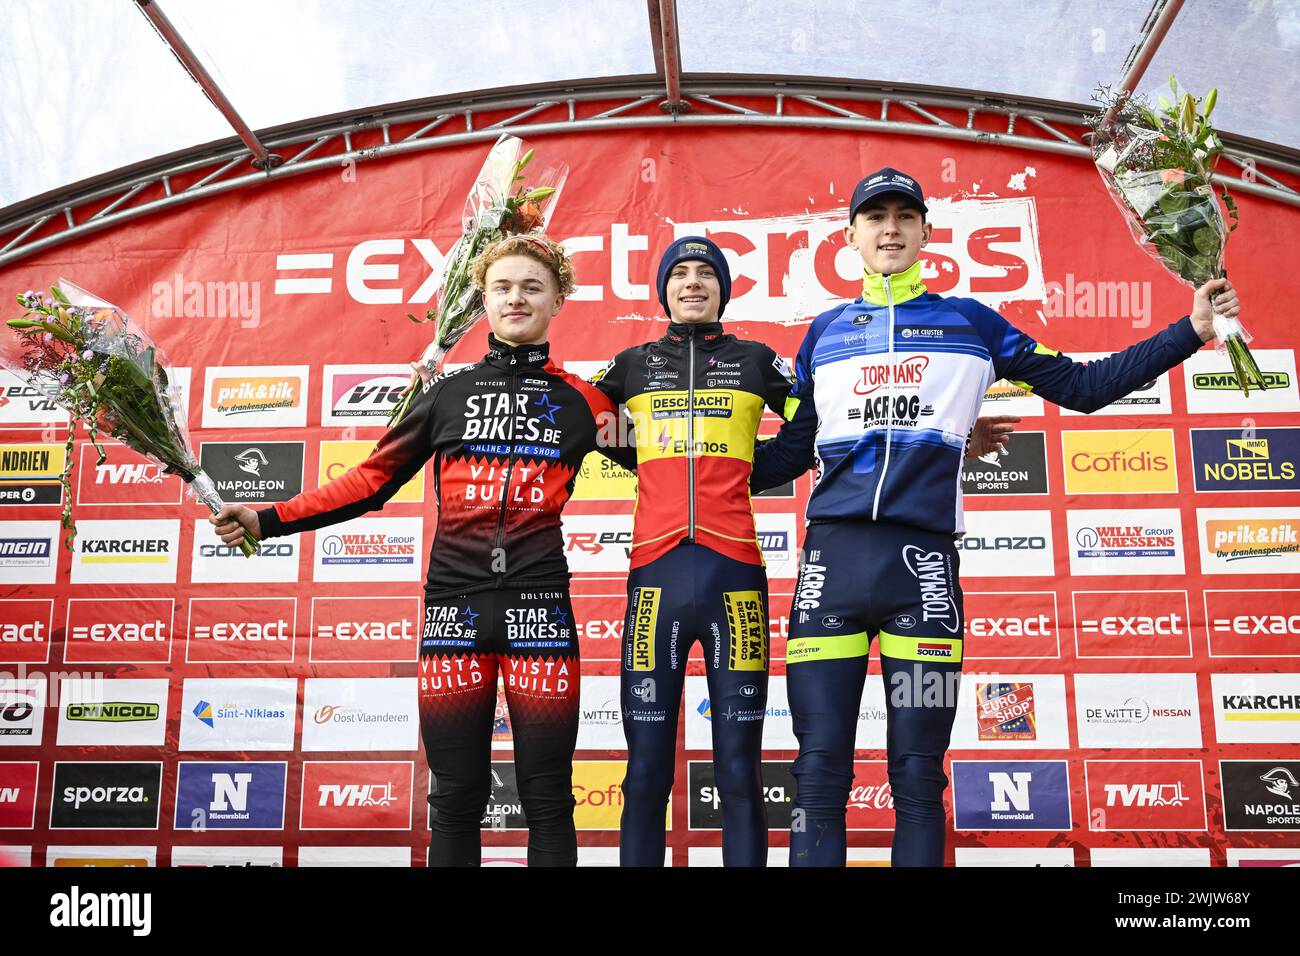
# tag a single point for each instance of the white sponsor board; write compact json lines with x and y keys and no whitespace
{"x":1126,"y":541}
{"x":361,"y":394}
{"x":364,"y":713}
{"x":129,"y":712}
{"x":1211,"y":388}
{"x":1008,"y":398}
{"x":1137,"y":710}
{"x":370,"y":549}
{"x":608,"y":856}
{"x":29,"y":551}
{"x":1007,"y":544}
{"x":1014,"y":856}
{"x":711,"y":856}
{"x":777,"y":536}
{"x":24,"y":404}
{"x":240,"y":714}
{"x":126,"y":552}
{"x":242,"y":856}
{"x":214,"y":562}
{"x":255,"y":396}
{"x":1249,"y":540}
{"x":22,"y":711}
{"x":597,"y":544}
{"x":354,"y":856}
{"x":600,"y":715}
{"x":1150,"y":856}
{"x":1256,"y":708}
{"x":1013,"y":721}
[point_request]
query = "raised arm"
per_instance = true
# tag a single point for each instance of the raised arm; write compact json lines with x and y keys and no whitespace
{"x":1086,"y":387}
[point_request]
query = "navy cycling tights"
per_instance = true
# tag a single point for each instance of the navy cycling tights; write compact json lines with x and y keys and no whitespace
{"x":689,"y":594}
{"x":859,"y":581}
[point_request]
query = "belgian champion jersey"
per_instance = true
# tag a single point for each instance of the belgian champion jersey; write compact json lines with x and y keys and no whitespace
{"x":695,"y":398}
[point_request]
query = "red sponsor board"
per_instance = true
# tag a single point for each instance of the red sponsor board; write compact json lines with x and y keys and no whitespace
{"x":125,"y":478}
{"x":1132,"y":624}
{"x":600,"y":625}
{"x":356,"y":795}
{"x":244,"y":631}
{"x":871,"y":802}
{"x":25,"y":626}
{"x":1011,"y":625}
{"x":364,"y":629}
{"x":1253,"y":623}
{"x":119,"y":631}
{"x":1015,"y":242}
{"x":18,"y":795}
{"x":1145,"y":794}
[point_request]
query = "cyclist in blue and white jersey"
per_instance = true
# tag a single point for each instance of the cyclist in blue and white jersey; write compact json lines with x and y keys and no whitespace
{"x":888,"y":386}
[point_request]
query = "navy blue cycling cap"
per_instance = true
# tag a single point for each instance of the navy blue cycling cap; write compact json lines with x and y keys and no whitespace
{"x":887,"y":180}
{"x":702,"y":249}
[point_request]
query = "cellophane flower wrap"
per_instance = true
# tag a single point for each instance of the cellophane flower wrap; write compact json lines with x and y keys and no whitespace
{"x":1157,"y":164}
{"x":89,"y":359}
{"x":510,"y":196}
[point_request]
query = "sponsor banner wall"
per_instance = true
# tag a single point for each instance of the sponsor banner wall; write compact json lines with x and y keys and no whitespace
{"x":1131,"y":577}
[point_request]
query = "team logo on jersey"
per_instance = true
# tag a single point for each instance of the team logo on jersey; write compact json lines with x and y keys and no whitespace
{"x":747,"y":625}
{"x":909,"y":371}
{"x":933,"y":573}
{"x":640,"y":653}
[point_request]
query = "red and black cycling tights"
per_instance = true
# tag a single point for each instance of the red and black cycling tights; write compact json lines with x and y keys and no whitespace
{"x":528,"y":637}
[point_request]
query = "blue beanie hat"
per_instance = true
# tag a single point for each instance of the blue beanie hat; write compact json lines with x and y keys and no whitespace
{"x":694,"y":247}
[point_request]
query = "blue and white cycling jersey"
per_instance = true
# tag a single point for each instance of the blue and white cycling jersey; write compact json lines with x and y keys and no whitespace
{"x":889,"y":386}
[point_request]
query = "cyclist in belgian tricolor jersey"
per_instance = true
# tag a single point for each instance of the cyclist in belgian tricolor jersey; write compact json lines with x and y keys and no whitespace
{"x":696,"y":396}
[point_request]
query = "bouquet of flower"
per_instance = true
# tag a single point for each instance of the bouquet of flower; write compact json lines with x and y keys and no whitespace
{"x":504,"y":201}
{"x":87,"y":357}
{"x":1157,"y":165}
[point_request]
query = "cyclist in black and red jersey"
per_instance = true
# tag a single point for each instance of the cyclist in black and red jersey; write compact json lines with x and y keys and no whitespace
{"x":508,"y":435}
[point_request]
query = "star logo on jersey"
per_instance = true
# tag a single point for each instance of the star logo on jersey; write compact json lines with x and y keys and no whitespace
{"x":471,"y":617}
{"x":561,"y":616}
{"x":548,"y":408}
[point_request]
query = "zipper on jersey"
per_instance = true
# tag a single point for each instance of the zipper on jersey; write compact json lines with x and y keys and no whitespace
{"x":690,"y":435}
{"x":510,"y":467}
{"x":889,"y":409}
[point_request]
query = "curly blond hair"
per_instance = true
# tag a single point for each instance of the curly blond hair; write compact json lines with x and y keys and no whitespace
{"x":533,"y":245}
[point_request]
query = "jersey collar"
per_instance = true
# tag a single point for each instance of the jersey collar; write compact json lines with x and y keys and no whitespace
{"x":703,"y":332}
{"x":904,"y":286}
{"x":516,"y":356}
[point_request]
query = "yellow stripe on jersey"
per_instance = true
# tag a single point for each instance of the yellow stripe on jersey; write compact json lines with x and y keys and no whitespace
{"x":726,"y":423}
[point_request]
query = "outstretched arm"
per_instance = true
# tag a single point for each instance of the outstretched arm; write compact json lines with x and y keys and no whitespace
{"x":400,"y":453}
{"x":1086,"y":387}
